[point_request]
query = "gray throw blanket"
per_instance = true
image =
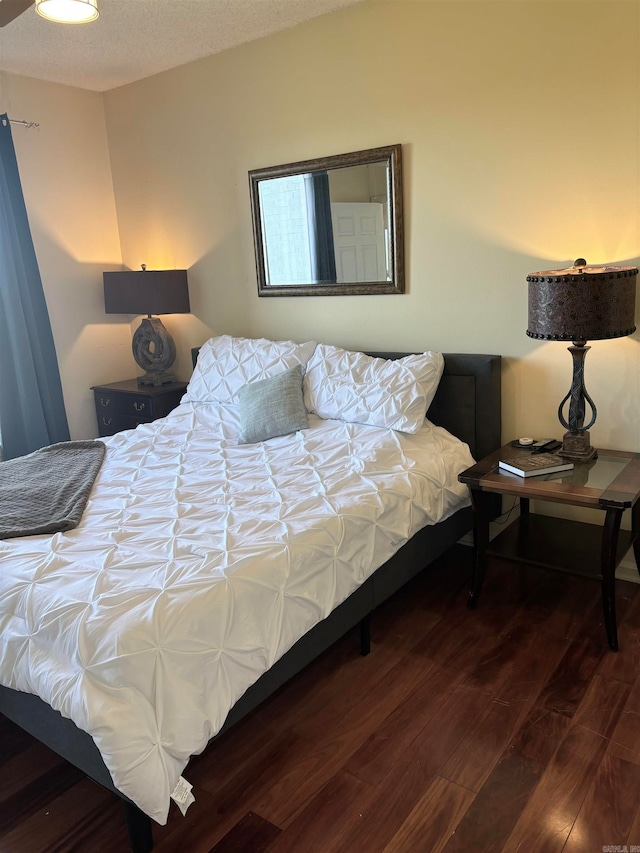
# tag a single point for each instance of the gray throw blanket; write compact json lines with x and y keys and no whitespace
{"x":47,"y":491}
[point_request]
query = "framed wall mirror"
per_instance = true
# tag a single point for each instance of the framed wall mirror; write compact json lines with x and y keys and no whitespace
{"x":331,"y":226}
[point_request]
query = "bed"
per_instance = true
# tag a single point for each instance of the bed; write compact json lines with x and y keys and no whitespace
{"x":268,"y":550}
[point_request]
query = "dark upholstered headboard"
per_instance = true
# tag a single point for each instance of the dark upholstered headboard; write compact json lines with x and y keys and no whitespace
{"x":468,"y":400}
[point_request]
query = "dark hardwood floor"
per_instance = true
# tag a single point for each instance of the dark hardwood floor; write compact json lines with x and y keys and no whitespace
{"x":510,"y":728}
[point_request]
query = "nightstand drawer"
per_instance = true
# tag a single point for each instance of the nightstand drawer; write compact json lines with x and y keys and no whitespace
{"x":125,"y":405}
{"x":111,"y":424}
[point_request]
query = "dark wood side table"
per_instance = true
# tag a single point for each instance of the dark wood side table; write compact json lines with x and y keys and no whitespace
{"x":125,"y":405}
{"x":610,"y":483}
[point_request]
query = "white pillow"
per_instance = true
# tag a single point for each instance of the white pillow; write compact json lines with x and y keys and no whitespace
{"x":358,"y":388}
{"x":225,"y":364}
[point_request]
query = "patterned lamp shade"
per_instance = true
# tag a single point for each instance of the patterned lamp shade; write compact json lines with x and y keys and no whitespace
{"x":582,"y":303}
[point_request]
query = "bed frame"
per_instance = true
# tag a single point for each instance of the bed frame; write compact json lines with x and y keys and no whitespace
{"x":468,"y":404}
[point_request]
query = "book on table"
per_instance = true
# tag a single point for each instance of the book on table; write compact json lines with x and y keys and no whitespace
{"x":538,"y":463}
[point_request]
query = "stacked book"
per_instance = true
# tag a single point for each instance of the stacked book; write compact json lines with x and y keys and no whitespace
{"x":532,"y":465}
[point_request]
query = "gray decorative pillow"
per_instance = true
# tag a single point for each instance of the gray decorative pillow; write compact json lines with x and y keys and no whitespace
{"x":272,"y":407}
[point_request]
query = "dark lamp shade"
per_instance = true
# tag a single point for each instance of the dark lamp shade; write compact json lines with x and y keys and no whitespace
{"x":582,"y":303}
{"x":146,"y":292}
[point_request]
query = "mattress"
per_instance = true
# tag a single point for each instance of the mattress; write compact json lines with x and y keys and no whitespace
{"x":198,"y":563}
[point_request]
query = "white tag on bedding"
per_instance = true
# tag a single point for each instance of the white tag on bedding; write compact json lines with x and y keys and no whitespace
{"x":182,"y":795}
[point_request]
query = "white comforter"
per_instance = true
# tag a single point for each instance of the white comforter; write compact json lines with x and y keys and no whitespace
{"x":197,"y":564}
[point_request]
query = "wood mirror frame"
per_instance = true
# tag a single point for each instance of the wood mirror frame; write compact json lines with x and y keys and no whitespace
{"x":354,"y":261}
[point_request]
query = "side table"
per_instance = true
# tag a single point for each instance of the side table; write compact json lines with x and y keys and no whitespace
{"x":610,"y":483}
{"x":125,"y":405}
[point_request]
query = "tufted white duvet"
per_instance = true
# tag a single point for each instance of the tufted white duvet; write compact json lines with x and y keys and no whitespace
{"x":197,"y":564}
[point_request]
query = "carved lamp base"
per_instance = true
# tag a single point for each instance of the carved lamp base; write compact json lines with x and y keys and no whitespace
{"x":576,"y":446}
{"x":156,"y":379}
{"x":154,"y":351}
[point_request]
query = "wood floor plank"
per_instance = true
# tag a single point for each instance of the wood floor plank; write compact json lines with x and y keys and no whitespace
{"x":560,"y":604}
{"x":252,"y":833}
{"x":83,"y":818}
{"x":373,"y":827}
{"x":602,"y":705}
{"x":328,"y":752}
{"x":246,"y":789}
{"x":607,"y":814}
{"x":549,"y":815}
{"x":555,"y":603}
{"x":312,"y":688}
{"x":626,"y":734}
{"x":231,"y":754}
{"x":26,"y":767}
{"x":533,"y":668}
{"x":442,"y":588}
{"x":456,"y":644}
{"x":373,"y":760}
{"x":316,"y":826}
{"x":212,"y":817}
{"x":634,"y":833}
{"x":35,"y":794}
{"x":495,"y":810}
{"x":520,"y":663}
{"x":340,"y":672}
{"x":441,"y":727}
{"x":412,"y":773}
{"x":623,"y":753}
{"x":505,"y":588}
{"x":433,"y":819}
{"x":482,"y":744}
{"x":400,"y":669}
{"x":570,"y":680}
{"x":626,"y":663}
{"x":493,"y":668}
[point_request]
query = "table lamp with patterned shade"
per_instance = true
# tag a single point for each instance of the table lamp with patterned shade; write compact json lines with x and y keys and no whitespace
{"x":580,"y":304}
{"x":149,"y":292}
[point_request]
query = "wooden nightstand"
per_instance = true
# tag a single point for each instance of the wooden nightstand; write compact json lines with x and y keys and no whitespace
{"x":610,"y":483}
{"x":125,"y":405}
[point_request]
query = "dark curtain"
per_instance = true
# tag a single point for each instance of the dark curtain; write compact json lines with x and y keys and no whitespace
{"x":32,"y":412}
{"x":323,"y":258}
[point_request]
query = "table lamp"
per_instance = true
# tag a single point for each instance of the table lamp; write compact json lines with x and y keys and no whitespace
{"x":578,"y":304}
{"x":149,"y":292}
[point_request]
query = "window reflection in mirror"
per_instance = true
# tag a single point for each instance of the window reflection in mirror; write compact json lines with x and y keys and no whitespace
{"x":330,"y":226}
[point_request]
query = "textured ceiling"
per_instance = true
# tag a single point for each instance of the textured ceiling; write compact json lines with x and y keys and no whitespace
{"x":133,"y":39}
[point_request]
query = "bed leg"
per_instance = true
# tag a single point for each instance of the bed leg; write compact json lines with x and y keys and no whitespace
{"x":138,"y":828}
{"x":365,"y":635}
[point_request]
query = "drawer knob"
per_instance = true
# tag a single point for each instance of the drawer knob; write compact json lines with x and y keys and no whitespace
{"x":139,"y":407}
{"x":104,"y":401}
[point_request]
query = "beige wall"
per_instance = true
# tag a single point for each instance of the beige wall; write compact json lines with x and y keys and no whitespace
{"x":66,"y":180}
{"x":521,"y":150}
{"x":520,"y":131}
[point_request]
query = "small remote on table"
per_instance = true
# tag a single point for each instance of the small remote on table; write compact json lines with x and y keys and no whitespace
{"x":545,"y":445}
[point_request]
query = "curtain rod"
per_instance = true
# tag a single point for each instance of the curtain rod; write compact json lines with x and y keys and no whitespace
{"x":23,"y":122}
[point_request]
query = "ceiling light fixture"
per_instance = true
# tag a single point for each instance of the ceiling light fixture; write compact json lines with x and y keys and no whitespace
{"x":68,"y":11}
